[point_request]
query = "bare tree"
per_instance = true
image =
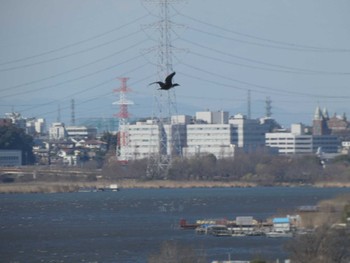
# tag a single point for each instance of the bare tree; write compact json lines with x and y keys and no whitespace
{"x":173,"y":252}
{"x":325,"y":245}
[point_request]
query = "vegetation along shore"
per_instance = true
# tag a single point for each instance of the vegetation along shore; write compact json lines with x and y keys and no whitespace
{"x":245,"y":170}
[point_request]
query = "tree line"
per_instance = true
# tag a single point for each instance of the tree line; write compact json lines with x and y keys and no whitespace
{"x":257,"y":167}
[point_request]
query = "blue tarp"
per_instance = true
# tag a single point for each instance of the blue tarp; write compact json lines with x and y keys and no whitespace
{"x":280,"y":220}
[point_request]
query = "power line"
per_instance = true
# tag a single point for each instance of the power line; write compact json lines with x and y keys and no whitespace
{"x":102,"y":95}
{"x":250,"y":66}
{"x":288,"y":44}
{"x":254,"y":43}
{"x":77,"y":78}
{"x":265,"y":63}
{"x":74,"y":69}
{"x":67,"y":55}
{"x":75,"y":43}
{"x":251,"y":84}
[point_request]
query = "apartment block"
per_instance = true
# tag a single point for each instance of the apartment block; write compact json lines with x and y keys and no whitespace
{"x":289,"y":143}
{"x":216,"y":139}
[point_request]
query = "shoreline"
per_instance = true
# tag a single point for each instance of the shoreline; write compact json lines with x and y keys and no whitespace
{"x":67,"y":186}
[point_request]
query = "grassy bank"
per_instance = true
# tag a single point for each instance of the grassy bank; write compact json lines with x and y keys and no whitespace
{"x":60,"y":187}
{"x":68,"y":186}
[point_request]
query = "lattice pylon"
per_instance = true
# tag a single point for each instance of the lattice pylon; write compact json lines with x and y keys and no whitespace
{"x":123,"y":149}
{"x":165,"y":101}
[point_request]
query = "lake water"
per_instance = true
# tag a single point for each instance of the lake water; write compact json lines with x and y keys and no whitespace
{"x":129,"y":225}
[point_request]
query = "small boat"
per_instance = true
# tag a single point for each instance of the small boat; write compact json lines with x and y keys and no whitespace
{"x":184,"y":225}
{"x":219,"y":231}
{"x":279,"y":234}
{"x":87,"y":189}
{"x":110,"y":188}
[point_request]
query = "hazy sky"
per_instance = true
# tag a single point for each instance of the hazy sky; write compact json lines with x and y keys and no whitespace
{"x":297,"y":52}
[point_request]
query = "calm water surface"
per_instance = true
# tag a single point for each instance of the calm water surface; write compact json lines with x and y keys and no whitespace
{"x":129,"y":225}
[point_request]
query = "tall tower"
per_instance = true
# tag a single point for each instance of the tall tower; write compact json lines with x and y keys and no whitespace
{"x":268,"y":107}
{"x":72,"y":108}
{"x":58,"y":119}
{"x":164,"y":101}
{"x":249,"y":105}
{"x":123,"y":150}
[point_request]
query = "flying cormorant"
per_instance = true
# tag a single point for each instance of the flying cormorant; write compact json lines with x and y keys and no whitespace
{"x":168,"y":82}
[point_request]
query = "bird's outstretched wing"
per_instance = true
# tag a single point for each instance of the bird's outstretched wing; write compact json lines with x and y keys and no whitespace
{"x":168,"y":79}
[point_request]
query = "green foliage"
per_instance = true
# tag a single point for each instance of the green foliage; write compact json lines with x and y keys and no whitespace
{"x":13,"y":138}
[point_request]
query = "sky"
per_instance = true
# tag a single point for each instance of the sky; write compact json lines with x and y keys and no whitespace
{"x":294,"y":52}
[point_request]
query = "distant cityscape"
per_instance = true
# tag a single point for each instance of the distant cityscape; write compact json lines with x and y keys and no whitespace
{"x":206,"y":132}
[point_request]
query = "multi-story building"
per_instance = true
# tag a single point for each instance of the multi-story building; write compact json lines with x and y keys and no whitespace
{"x":327,"y":143}
{"x":57,"y":131}
{"x":10,"y":157}
{"x":210,"y":132}
{"x":216,"y":139}
{"x":145,"y":138}
{"x":250,"y":133}
{"x":297,"y":142}
{"x":81,"y":132}
{"x":212,"y":117}
{"x":36,"y":126}
{"x":289,"y":143}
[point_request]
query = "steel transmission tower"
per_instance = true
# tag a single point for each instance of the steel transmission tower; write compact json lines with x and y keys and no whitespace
{"x":164,"y":101}
{"x":249,"y":105}
{"x":72,"y":107}
{"x":123,"y":149}
{"x":268,"y":107}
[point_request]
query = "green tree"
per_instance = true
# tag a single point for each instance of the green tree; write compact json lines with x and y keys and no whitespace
{"x":14,"y":138}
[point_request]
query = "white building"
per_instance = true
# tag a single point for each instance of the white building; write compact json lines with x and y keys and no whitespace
{"x":212,"y":133}
{"x":216,"y":139}
{"x":147,"y":138}
{"x":57,"y":131}
{"x":294,"y":142}
{"x":212,"y":117}
{"x":250,"y":133}
{"x":36,"y":126}
{"x":81,"y":132}
{"x":181,"y":119}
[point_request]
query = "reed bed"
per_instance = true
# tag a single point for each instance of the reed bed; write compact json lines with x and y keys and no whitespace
{"x":69,"y":186}
{"x":58,"y":187}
